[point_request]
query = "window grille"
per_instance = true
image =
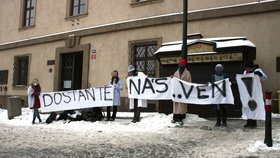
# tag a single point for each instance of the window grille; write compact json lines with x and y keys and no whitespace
{"x":20,"y":70}
{"x":3,"y":76}
{"x":144,"y":59}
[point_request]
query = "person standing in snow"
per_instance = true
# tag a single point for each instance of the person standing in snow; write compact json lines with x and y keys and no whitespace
{"x":220,"y":108}
{"x":251,"y":68}
{"x":180,"y":109}
{"x":117,"y":83}
{"x":33,"y":92}
{"x":136,"y":104}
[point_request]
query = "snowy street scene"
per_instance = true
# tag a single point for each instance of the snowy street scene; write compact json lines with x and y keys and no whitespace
{"x":139,"y":79}
{"x":153,"y":136}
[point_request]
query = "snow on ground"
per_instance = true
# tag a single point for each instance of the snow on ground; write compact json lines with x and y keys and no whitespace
{"x":150,"y":122}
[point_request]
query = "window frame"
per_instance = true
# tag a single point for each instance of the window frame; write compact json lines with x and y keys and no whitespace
{"x":4,"y":75}
{"x":69,"y":9}
{"x":21,"y":85}
{"x":23,"y":12}
{"x":134,"y":44}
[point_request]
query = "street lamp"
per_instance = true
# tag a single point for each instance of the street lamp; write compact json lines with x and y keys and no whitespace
{"x":184,"y":54}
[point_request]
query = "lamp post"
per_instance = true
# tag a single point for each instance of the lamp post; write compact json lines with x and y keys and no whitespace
{"x":184,"y":54}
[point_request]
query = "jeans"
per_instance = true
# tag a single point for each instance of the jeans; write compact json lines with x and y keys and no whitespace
{"x":36,"y":114}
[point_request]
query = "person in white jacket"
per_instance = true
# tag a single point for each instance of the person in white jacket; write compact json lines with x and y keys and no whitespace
{"x":136,"y":104}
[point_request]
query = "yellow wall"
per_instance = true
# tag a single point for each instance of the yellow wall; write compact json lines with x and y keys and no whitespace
{"x":261,"y":29}
{"x":50,"y":15}
{"x":39,"y":69}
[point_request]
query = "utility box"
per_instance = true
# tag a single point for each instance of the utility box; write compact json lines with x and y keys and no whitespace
{"x":13,"y":106}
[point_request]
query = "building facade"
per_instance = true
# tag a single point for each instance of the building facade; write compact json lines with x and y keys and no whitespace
{"x":73,"y":44}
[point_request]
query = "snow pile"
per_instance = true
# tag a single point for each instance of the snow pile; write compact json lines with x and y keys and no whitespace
{"x":150,"y":122}
{"x":260,"y":146}
{"x":275,"y":115}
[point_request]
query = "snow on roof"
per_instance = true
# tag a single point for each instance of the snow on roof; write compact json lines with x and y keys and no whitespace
{"x":221,"y":42}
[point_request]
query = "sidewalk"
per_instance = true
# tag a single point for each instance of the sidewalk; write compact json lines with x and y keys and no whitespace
{"x":153,"y":136}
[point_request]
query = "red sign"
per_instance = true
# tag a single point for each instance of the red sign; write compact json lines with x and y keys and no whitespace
{"x":93,"y":56}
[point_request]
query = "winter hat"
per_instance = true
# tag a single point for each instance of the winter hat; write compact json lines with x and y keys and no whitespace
{"x":130,"y":68}
{"x":181,"y":61}
{"x":219,"y":68}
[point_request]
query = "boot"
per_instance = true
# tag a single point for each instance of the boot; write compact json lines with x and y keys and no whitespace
{"x":108,"y":114}
{"x":224,"y":121}
{"x":114,"y":113}
{"x":218,"y":116}
{"x":224,"y":117}
{"x":248,"y":124}
{"x":253,"y":124}
{"x":138,"y":114}
{"x":180,"y":120}
{"x":136,"y":117}
{"x":135,"y":111}
{"x":175,"y":118}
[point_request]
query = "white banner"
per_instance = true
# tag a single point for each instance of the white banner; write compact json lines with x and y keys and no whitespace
{"x":251,"y":96}
{"x":180,"y":91}
{"x":213,"y":93}
{"x":142,"y":87}
{"x":77,"y":99}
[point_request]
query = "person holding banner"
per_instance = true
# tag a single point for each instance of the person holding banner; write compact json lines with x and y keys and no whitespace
{"x":251,"y":68}
{"x":33,"y":92}
{"x":136,"y":104}
{"x":117,"y":83}
{"x":220,"y":108}
{"x":180,"y":109}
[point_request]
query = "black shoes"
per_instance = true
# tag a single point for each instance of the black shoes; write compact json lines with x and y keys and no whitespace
{"x":173,"y":121}
{"x":110,"y":119}
{"x":251,"y":124}
{"x":178,"y":118}
{"x":135,"y":120}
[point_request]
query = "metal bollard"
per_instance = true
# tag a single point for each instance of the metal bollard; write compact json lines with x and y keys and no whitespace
{"x":268,"y":109}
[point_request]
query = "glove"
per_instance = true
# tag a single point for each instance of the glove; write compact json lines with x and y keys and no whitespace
{"x":258,"y":73}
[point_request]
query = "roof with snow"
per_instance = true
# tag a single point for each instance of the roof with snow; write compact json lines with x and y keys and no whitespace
{"x":220,"y":42}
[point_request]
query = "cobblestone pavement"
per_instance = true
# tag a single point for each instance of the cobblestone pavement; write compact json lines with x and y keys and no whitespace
{"x":198,"y":139}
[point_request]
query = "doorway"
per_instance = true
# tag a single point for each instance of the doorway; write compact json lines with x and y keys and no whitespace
{"x":71,"y":71}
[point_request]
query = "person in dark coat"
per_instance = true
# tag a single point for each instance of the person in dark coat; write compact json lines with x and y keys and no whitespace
{"x":220,"y":108}
{"x":34,"y":91}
